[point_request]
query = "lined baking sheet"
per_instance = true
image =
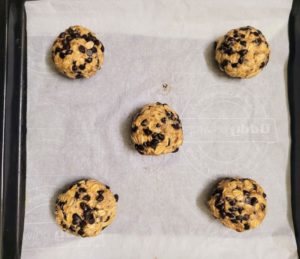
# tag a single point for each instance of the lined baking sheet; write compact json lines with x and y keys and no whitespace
{"x":80,"y":129}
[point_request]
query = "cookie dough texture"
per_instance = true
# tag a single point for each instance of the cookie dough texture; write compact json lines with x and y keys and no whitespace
{"x":77,"y":53}
{"x":242,"y":52}
{"x":86,"y":208}
{"x":156,"y":130}
{"x":239,"y":204}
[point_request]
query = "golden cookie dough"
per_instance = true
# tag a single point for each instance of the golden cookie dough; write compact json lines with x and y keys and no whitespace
{"x":242,"y":52}
{"x":77,"y":53}
{"x":239,"y":204}
{"x":156,"y":130}
{"x":86,"y":208}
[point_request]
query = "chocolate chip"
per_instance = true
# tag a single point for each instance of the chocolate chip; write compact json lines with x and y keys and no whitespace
{"x":94,"y":49}
{"x":107,"y":219}
{"x":253,"y":201}
{"x":84,"y":206}
{"x":230,"y":215}
{"x":264,"y":195}
{"x":139,"y":147}
{"x":102,"y":48}
{"x":217,"y":192}
{"x":176,"y":150}
{"x":62,"y":55}
{"x":144,"y":122}
{"x":57,"y":50}
{"x":80,"y":232}
{"x":243,"y":52}
{"x":232,"y":203}
{"x":82,"y":66}
{"x":153,"y":143}
{"x":246,"y":226}
{"x":72,"y":228}
{"x":77,"y":195}
{"x":82,"y":190}
{"x":234,"y":221}
{"x":81,"y":49}
{"x":222,"y":214}
{"x":68,"y":38}
{"x":243,"y":43}
{"x":147,"y":132}
{"x":232,"y":209}
{"x":134,"y":128}
{"x":100,"y":198}
{"x":69,"y":51}
{"x":157,"y":125}
{"x":161,"y":136}
{"x":107,"y":187}
{"x":241,"y":60}
{"x":224,"y":63}
{"x":82,"y":224}
{"x":88,"y":60}
{"x":62,"y":35}
{"x":262,"y":65}
{"x":234,"y":65}
{"x":263,"y":206}
{"x":176,"y":126}
{"x":76,"y":219}
{"x":246,"y":28}
{"x":116,"y":197}
{"x":170,"y":115}
{"x":104,"y":227}
{"x":91,"y":220}
{"x":78,"y":76}
{"x":258,"y":41}
{"x":86,"y":197}
{"x":242,"y":36}
{"x":240,"y":210}
{"x":163,"y":120}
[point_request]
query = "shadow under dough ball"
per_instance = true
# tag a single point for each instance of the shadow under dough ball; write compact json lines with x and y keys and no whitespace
{"x":239,"y":204}
{"x":156,"y":130}
{"x":242,"y":52}
{"x":86,"y":208}
{"x":77,"y":53}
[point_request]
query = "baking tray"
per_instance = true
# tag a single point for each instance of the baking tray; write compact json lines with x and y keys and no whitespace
{"x":13,"y":122}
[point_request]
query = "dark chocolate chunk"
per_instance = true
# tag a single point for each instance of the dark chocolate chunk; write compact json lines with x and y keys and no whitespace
{"x":78,"y":76}
{"x":88,"y":60}
{"x":77,"y":195}
{"x":81,"y":49}
{"x":107,"y":187}
{"x":264,"y":195}
{"x":163,"y":120}
{"x":86,"y":197}
{"x":262,"y":65}
{"x":107,"y":219}
{"x":74,"y":68}
{"x":241,"y":60}
{"x":147,"y":132}
{"x":176,"y":126}
{"x":253,"y":201}
{"x":234,"y":221}
{"x":102,"y":48}
{"x":80,"y":232}
{"x":62,"y":35}
{"x":232,"y":203}
{"x":116,"y":197}
{"x":94,"y":49}
{"x":157,"y":125}
{"x":234,"y":65}
{"x":72,"y":229}
{"x":161,"y":136}
{"x":82,"y":189}
{"x":243,"y":52}
{"x":246,"y":217}
{"x":153,"y":143}
{"x":82,"y":66}
{"x":224,"y":63}
{"x":69,"y":51}
{"x":246,"y":226}
{"x":100,"y":198}
{"x":243,"y":43}
{"x":134,"y":128}
{"x":76,"y":219}
{"x":84,"y":206}
{"x":62,"y":55}
{"x":139,"y":147}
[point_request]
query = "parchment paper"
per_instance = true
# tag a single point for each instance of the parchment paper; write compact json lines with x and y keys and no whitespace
{"x":80,"y":129}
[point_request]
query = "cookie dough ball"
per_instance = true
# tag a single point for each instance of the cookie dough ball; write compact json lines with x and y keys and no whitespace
{"x":86,"y":208}
{"x":77,"y":53}
{"x":242,"y":52}
{"x":156,"y":130}
{"x":239,"y":204}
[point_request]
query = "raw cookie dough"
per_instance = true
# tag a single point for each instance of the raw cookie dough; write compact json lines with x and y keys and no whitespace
{"x":239,"y":204}
{"x":156,"y":130}
{"x":242,"y":52}
{"x":77,"y":53}
{"x":86,"y":208}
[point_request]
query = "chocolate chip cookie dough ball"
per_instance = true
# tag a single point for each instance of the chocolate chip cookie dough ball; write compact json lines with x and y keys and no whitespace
{"x":242,"y":52}
{"x":86,"y":208}
{"x":156,"y":130}
{"x":77,"y":53}
{"x":239,"y":204}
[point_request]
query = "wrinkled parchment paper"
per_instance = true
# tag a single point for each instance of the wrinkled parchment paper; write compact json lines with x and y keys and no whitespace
{"x":157,"y":51}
